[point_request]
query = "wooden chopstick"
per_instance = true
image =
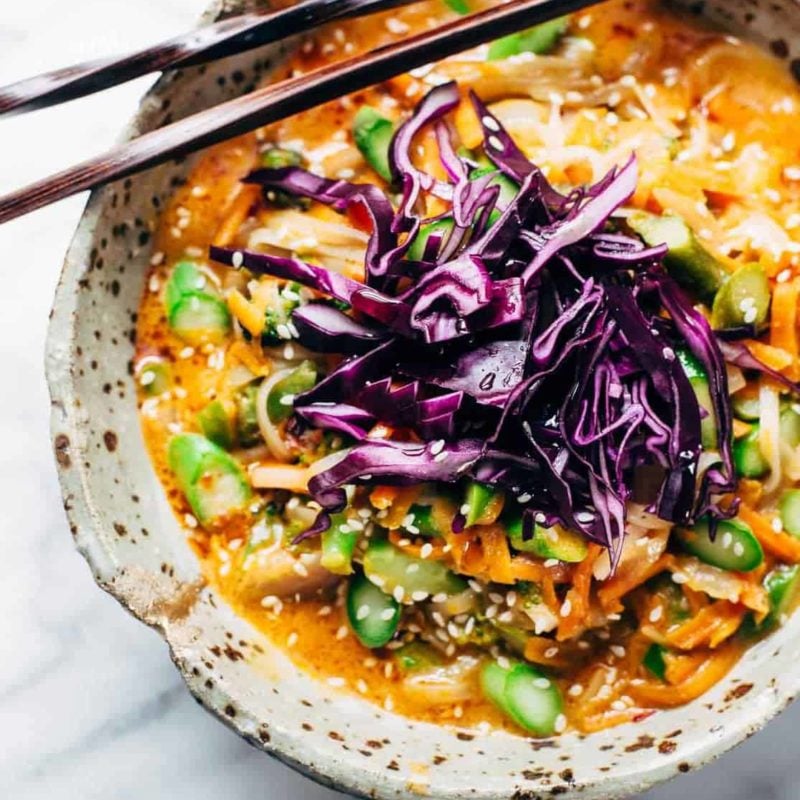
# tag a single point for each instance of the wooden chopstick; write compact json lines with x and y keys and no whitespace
{"x":224,"y":38}
{"x":283,"y":99}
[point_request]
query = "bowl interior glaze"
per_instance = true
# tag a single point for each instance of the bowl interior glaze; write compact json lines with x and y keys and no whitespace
{"x":125,"y":529}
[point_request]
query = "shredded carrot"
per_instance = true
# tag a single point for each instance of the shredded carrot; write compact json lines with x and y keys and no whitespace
{"x":781,"y":545}
{"x":497,"y":556}
{"x":625,"y":581}
{"x":610,"y":719}
{"x":468,"y":125}
{"x":709,"y":627}
{"x":783,"y":321}
{"x":396,"y":501}
{"x":414,"y":548}
{"x":541,"y":650}
{"x":775,"y":357}
{"x":251,"y":318}
{"x":237,"y":214}
{"x":578,"y":596}
{"x":710,"y":668}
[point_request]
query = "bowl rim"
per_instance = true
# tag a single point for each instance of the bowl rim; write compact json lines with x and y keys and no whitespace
{"x":86,"y":525}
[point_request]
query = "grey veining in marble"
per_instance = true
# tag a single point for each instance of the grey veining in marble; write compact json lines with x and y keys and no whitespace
{"x":90,"y":705}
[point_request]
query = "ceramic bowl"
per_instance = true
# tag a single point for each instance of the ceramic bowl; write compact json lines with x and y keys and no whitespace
{"x":125,"y":529}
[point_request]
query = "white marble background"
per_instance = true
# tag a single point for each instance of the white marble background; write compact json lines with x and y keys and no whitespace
{"x":90,"y":705}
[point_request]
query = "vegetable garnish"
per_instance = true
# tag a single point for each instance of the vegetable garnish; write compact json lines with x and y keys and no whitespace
{"x":530,"y":345}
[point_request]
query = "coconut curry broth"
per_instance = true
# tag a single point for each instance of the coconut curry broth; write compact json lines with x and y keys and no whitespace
{"x":670,"y":59}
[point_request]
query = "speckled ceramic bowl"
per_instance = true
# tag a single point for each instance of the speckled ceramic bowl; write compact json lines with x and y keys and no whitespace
{"x":126,"y":531}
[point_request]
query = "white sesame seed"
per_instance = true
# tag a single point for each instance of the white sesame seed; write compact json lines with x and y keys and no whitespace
{"x":496,"y":598}
{"x":566,"y":608}
{"x":777,"y":524}
{"x":618,"y":705}
{"x":399,"y":593}
{"x":541,"y":683}
{"x":426,"y":550}
{"x":396,"y":26}
{"x":440,"y":457}
{"x":679,"y":577}
{"x":437,"y":447}
{"x":324,"y":611}
{"x":551,"y":652}
{"x":237,"y":259}
{"x":560,"y":723}
{"x":363,"y":612}
{"x":727,"y":539}
{"x":458,"y":712}
{"x":495,"y":143}
{"x":576,"y":690}
{"x":291,"y":640}
{"x":738,"y":549}
{"x":524,"y":497}
{"x":388,"y":704}
{"x":491,"y":612}
{"x":419,"y":596}
{"x":342,"y":632}
{"x":656,"y":614}
{"x":336,"y":682}
{"x":618,"y":650}
{"x":551,"y":562}
{"x":475,"y":586}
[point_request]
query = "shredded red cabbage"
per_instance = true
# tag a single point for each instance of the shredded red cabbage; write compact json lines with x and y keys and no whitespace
{"x":532,"y":348}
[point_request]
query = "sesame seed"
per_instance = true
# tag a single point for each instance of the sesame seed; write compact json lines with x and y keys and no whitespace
{"x":396,"y":26}
{"x":287,"y":400}
{"x":190,"y":520}
{"x":495,"y":143}
{"x":541,"y":683}
{"x":440,"y":457}
{"x":342,"y":632}
{"x":777,"y":524}
{"x":727,"y":539}
{"x":524,"y":497}
{"x":300,"y":568}
{"x":426,"y":550}
{"x":679,"y":577}
{"x":437,"y":447}
{"x":419,"y":596}
{"x":388,"y":704}
{"x":458,"y":712}
{"x":503,"y":662}
{"x":511,"y":599}
{"x":157,"y":259}
{"x":324,"y":611}
{"x":738,"y":549}
{"x":566,"y":608}
{"x":336,"y":682}
{"x":496,"y":598}
{"x":618,"y":650}
{"x":656,"y":614}
{"x":560,"y":723}
{"x":412,"y":568}
{"x":387,"y":614}
{"x":291,"y":641}
{"x":399,"y":593}
{"x":491,"y":612}
{"x":475,"y":586}
{"x":237,"y":259}
{"x":618,"y":705}
{"x":551,"y":652}
{"x":576,"y":690}
{"x":363,"y":612}
{"x":551,"y":562}
{"x":361,"y":686}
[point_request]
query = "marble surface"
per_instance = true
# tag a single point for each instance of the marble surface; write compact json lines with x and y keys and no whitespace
{"x":90,"y":705}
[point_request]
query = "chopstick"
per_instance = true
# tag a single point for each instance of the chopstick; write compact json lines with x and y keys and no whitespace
{"x":283,"y":99}
{"x":224,"y":38}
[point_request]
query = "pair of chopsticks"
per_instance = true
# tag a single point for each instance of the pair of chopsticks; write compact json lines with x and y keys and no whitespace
{"x":259,"y":107}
